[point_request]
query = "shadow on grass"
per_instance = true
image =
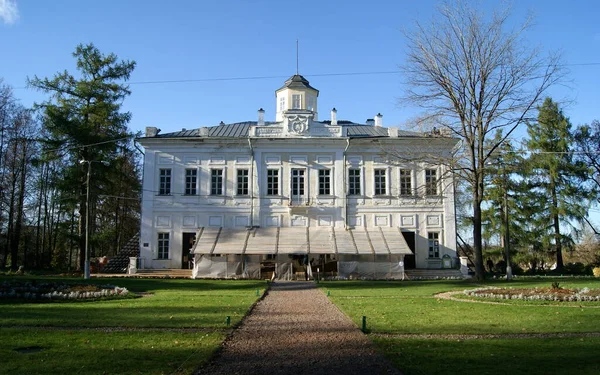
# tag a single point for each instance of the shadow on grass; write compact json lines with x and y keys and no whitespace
{"x":77,"y":352}
{"x":507,"y":356}
{"x":147,"y":285}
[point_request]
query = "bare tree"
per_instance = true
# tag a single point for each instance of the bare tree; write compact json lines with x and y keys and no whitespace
{"x":473,"y":76}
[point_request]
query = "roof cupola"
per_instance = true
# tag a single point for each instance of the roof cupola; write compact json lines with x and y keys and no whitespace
{"x":296,"y":94}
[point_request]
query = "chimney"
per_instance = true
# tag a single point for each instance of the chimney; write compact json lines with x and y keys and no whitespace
{"x":261,"y":117}
{"x":151,"y":131}
{"x":370,"y":121}
{"x":379,"y":120}
{"x":334,"y":116}
{"x":203,"y":132}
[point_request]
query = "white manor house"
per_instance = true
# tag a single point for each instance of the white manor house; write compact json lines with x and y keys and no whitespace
{"x":297,"y":196}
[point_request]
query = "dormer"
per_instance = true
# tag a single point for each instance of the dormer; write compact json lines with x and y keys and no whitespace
{"x":296,"y":94}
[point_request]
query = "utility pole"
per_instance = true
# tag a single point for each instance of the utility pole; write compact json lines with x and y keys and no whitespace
{"x":86,"y":264}
{"x":506,"y":224}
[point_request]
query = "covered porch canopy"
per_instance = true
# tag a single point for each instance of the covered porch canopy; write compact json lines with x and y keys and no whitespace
{"x":375,"y":253}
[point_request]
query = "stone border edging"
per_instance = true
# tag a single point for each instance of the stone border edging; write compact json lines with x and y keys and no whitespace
{"x":450,"y":296}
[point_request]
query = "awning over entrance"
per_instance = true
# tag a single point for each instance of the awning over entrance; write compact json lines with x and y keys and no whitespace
{"x":295,"y":240}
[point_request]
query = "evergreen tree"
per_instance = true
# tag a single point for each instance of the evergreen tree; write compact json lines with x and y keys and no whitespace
{"x":587,"y":139}
{"x":84,"y":121}
{"x":555,"y":179}
{"x":507,"y":204}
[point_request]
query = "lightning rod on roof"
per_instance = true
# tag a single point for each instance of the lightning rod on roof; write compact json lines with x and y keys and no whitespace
{"x":296,"y":56}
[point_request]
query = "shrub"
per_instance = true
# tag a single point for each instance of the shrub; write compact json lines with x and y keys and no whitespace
{"x":596,"y":271}
{"x":576,"y":268}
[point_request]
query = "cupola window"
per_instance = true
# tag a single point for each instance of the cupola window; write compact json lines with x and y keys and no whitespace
{"x":282,"y":103}
{"x":296,"y":101}
{"x":310,"y":102}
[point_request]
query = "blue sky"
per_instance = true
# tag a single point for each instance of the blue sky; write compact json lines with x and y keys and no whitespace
{"x":205,"y":40}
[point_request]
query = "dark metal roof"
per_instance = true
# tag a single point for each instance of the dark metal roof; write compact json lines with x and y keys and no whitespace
{"x":236,"y":130}
{"x":297,"y":82}
{"x":366,"y":131}
{"x":241,"y":130}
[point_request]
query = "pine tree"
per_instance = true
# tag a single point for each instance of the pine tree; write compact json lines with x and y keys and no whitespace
{"x":84,"y":121}
{"x":503,"y":194}
{"x":555,"y":178}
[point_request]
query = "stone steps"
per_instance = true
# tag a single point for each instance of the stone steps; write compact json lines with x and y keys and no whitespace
{"x":176,"y":273}
{"x":433,"y":274}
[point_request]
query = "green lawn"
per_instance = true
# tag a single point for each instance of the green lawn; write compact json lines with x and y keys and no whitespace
{"x":173,"y":329}
{"x":397,"y":308}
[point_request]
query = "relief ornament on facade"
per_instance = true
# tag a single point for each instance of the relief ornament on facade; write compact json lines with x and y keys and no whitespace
{"x":298,"y":124}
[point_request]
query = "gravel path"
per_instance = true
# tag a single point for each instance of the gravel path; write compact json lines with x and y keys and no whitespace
{"x":296,"y":330}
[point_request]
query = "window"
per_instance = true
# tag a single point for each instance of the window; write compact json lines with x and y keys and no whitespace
{"x":431,"y":183}
{"x":216,"y":182}
{"x":324,"y":182}
{"x":165,"y":182}
{"x":310,"y":102}
{"x":434,"y":244}
{"x":242,"y":182}
{"x":281,"y":103}
{"x":191,"y":177}
{"x":405,"y":182}
{"x":163,"y":246}
{"x":380,"y":188}
{"x":297,"y":182}
{"x":354,"y":182}
{"x":272,"y":182}
{"x":296,"y":101}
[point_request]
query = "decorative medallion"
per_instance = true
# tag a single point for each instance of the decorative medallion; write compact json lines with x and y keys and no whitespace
{"x":297,"y":124}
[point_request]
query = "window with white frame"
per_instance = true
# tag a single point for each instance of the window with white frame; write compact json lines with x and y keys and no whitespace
{"x":431,"y":182}
{"x":163,"y":246}
{"x":324,"y":182}
{"x":405,"y":182}
{"x":164,"y":181}
{"x":310,"y":102}
{"x":242,"y":182}
{"x":191,"y":179}
{"x":380,"y":181}
{"x":281,"y":103}
{"x":297,"y":182}
{"x":272,"y":182}
{"x":296,"y":101}
{"x":216,"y":182}
{"x":354,"y":187}
{"x":434,"y":244}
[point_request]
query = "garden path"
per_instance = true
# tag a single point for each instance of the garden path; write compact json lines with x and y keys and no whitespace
{"x":295,"y":329}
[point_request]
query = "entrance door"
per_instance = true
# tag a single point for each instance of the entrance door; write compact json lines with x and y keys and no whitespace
{"x":298,"y":196}
{"x":409,"y":260}
{"x":187,"y":243}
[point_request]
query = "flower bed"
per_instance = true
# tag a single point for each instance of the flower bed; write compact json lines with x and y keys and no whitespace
{"x":31,"y":290}
{"x":539,"y":294}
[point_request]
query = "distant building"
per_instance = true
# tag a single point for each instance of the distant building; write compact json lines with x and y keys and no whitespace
{"x":284,"y":198}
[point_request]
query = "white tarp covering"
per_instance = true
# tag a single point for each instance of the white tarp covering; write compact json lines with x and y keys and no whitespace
{"x":321,"y":241}
{"x":205,"y":241}
{"x":231,"y":241}
{"x":293,"y":240}
{"x":395,"y":240}
{"x":361,"y":240}
{"x":262,"y":241}
{"x":378,"y":241}
{"x":251,"y":267}
{"x":344,"y":242}
{"x":244,"y":253}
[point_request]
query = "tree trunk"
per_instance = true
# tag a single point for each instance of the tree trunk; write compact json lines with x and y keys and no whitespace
{"x":71,"y":236}
{"x":556,"y":225}
{"x":20,"y":214}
